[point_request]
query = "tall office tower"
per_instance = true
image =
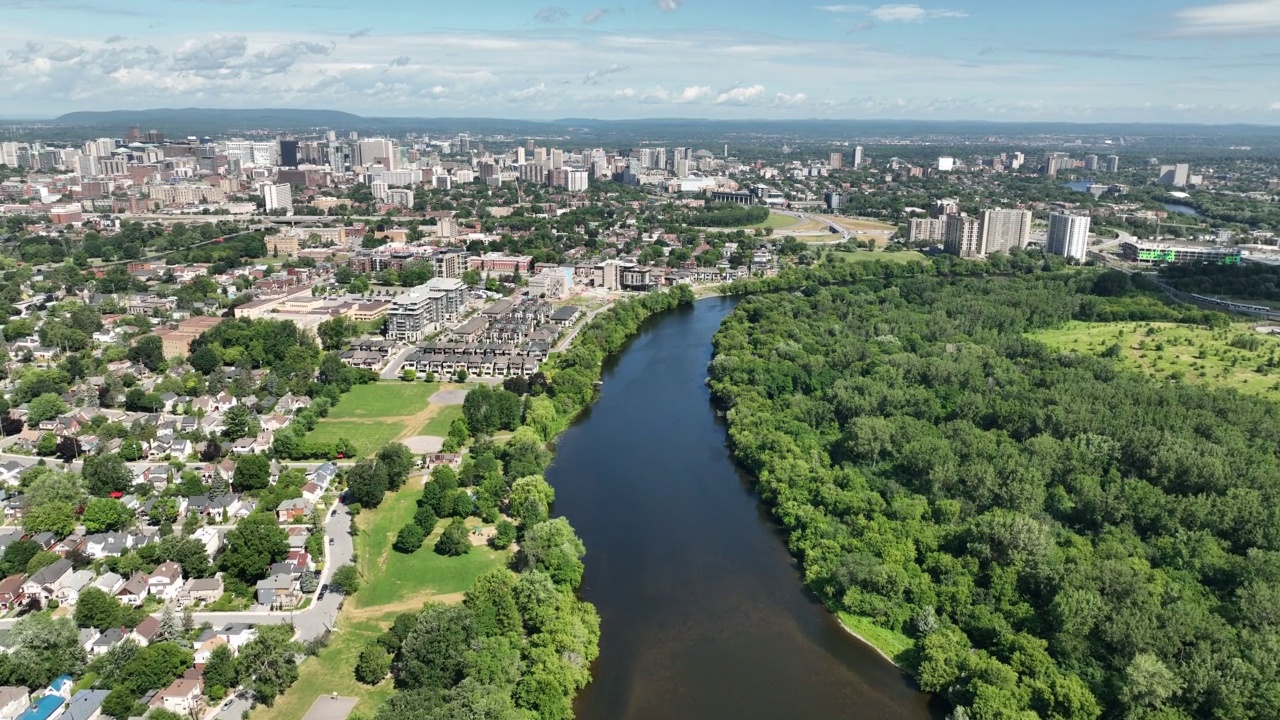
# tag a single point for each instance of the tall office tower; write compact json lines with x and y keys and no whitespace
{"x":577,"y":180}
{"x":277,"y":196}
{"x":540,"y":156}
{"x":465,"y":141}
{"x":681,"y":154}
{"x":660,"y":158}
{"x":557,"y":158}
{"x":1069,"y":236}
{"x":857,"y":157}
{"x":1017,"y":161}
{"x":962,"y":236}
{"x":289,"y":153}
{"x":835,"y":160}
{"x":1004,"y":230}
{"x":682,"y":168}
{"x":942,"y":208}
{"x":529,"y":145}
{"x":378,"y":151}
{"x":379,"y":189}
{"x":1113,"y":163}
{"x":1091,"y":162}
{"x":154,"y":137}
{"x":330,"y":136}
{"x":519,"y":156}
{"x":1175,"y":175}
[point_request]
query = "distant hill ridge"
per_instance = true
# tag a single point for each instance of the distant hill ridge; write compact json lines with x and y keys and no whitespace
{"x":174,"y":117}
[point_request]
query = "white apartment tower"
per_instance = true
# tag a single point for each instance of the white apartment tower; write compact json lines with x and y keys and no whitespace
{"x":1004,"y":230}
{"x":1069,"y":236}
{"x":277,"y":196}
{"x":857,"y":157}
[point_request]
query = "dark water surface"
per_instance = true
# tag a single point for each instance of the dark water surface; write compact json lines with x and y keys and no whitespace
{"x":703,"y":611}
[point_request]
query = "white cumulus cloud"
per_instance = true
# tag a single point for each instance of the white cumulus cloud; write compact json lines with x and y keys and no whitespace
{"x":1252,"y":17}
{"x":740,"y":95}
{"x":912,"y":13}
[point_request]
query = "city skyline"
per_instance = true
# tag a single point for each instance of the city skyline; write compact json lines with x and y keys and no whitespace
{"x":1142,"y":61}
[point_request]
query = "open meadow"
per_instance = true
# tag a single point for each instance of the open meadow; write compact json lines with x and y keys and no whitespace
{"x":1233,"y":357}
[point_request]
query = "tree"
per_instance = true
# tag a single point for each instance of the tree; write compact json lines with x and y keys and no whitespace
{"x":44,"y":407}
{"x":455,"y":540}
{"x":1149,"y":683}
{"x":42,"y":648}
{"x":492,"y":602}
{"x":268,"y":663}
{"x":531,"y":499}
{"x":149,"y":352}
{"x":155,"y":666}
{"x":409,"y":539}
{"x":221,"y":671}
{"x":54,"y":486}
{"x":540,"y":414}
{"x":505,"y":535}
{"x":104,"y":514}
{"x":438,"y":494}
{"x":17,"y":555}
{"x":131,"y":450}
{"x":398,"y":462}
{"x":121,"y":704}
{"x":367,"y":483}
{"x":373,"y":664}
{"x":252,"y":546}
{"x":425,"y":518}
{"x":47,"y":445}
{"x":488,"y":410}
{"x":105,"y":474}
{"x":205,"y":360}
{"x":346,"y":579}
{"x":170,"y":629}
{"x":333,"y":333}
{"x":253,"y":472}
{"x":309,"y":582}
{"x":239,"y":422}
{"x":432,"y":654}
{"x":554,"y":548}
{"x":408,"y":374}
{"x":58,"y":518}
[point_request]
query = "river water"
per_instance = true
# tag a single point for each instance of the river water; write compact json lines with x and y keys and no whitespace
{"x":703,"y":610}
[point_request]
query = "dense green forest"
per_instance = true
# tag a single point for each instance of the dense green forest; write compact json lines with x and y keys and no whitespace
{"x":728,"y":215}
{"x":1256,"y":281}
{"x":1062,"y":538}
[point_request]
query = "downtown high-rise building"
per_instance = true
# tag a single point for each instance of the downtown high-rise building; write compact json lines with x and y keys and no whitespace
{"x":278,"y":196}
{"x":835,"y":160}
{"x":857,"y":157}
{"x":1069,"y":236}
{"x":1005,"y":230}
{"x":1113,"y":163}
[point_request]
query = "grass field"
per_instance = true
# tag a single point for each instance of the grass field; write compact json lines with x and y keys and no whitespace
{"x":865,"y":255}
{"x":775,"y":221}
{"x":439,"y":424}
{"x":332,"y":671}
{"x":1182,"y":353}
{"x":396,"y":580}
{"x":368,"y":437}
{"x":392,"y":583}
{"x":863,"y":224}
{"x":393,"y":398}
{"x":375,"y":414}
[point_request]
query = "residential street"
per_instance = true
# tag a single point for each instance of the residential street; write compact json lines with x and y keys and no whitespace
{"x":315,"y":619}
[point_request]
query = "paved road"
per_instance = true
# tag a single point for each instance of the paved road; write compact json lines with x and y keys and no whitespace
{"x":317,"y":617}
{"x":392,"y":371}
{"x":564,"y":342}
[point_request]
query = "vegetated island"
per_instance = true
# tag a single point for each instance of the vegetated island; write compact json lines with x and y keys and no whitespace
{"x":1032,"y":533}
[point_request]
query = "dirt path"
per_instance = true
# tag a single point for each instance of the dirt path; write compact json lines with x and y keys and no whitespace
{"x":414,"y":603}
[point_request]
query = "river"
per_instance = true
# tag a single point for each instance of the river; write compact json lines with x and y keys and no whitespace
{"x":1083,"y":185}
{"x":703,"y":611}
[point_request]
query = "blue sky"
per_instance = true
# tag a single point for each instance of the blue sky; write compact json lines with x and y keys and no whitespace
{"x":1085,"y":60}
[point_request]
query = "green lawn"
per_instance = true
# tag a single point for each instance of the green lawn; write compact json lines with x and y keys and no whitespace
{"x":392,"y":398}
{"x":865,"y":255}
{"x":439,"y":425}
{"x":894,"y":644}
{"x":775,"y":221}
{"x":392,"y":578}
{"x":1181,"y":353}
{"x":332,"y":671}
{"x":368,"y":437}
